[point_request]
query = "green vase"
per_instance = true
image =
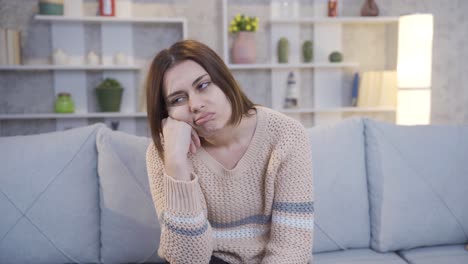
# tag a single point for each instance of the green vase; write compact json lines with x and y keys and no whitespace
{"x":307,"y":51}
{"x":50,"y":8}
{"x":64,"y":103}
{"x":283,"y":50}
{"x":109,"y":99}
{"x":335,"y":56}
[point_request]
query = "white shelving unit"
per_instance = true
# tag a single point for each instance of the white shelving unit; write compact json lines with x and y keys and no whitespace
{"x":71,"y":116}
{"x":337,"y":110}
{"x":327,"y":79}
{"x":293,"y":66}
{"x":68,"y":68}
{"x":143,"y":114}
{"x":67,"y":33}
{"x":338,"y":20}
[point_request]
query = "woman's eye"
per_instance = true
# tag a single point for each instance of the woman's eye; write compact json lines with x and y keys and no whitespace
{"x":203,"y":85}
{"x":177,"y":100}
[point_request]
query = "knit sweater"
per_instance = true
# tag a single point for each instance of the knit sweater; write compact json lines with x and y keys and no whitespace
{"x":262,"y":211}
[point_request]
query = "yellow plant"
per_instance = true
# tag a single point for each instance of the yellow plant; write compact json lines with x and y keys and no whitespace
{"x":243,"y":23}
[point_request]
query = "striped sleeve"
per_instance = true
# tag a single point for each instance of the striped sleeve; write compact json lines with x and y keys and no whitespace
{"x":185,"y":231}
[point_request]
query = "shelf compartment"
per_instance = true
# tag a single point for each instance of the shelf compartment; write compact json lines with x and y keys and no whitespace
{"x":101,"y":19}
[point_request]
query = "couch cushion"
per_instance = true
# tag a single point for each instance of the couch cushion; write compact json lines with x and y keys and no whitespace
{"x":49,"y":202}
{"x":341,"y":203}
{"x":357,"y":256}
{"x":436,"y":255}
{"x":130,"y":229}
{"x":418,"y":183}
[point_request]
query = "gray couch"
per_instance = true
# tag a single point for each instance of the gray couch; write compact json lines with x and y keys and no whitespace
{"x":384,"y":194}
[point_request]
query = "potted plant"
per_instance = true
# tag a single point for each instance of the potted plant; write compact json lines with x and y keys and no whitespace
{"x":109,"y":95}
{"x":243,"y":48}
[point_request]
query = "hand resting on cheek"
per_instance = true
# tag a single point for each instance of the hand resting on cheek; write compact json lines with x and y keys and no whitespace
{"x":179,"y":139}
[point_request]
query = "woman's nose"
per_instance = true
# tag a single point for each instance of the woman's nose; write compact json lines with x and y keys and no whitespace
{"x":196,"y":104}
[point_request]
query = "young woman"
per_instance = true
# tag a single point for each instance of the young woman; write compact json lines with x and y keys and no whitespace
{"x":231,"y":181}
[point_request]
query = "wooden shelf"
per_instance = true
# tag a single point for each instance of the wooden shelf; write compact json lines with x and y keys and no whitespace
{"x":67,"y":67}
{"x":71,"y":116}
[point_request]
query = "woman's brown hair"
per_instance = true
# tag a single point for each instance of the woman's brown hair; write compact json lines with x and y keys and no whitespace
{"x":213,"y":65}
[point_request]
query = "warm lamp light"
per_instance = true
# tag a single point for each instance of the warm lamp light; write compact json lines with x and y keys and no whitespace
{"x":414,"y":69}
{"x":415,"y":51}
{"x":413,"y":106}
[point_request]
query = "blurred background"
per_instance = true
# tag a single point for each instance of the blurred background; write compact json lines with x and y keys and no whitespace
{"x":70,"y":63}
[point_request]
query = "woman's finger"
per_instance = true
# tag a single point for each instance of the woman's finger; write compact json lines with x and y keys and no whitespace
{"x":193,"y":148}
{"x":196,"y":138}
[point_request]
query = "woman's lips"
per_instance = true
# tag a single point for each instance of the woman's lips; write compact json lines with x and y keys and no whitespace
{"x":205,"y":118}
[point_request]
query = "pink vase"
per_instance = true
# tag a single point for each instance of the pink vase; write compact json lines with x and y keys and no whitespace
{"x":369,"y":8}
{"x":243,"y":48}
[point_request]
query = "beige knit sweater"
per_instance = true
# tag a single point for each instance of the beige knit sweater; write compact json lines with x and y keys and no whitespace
{"x":262,"y":211}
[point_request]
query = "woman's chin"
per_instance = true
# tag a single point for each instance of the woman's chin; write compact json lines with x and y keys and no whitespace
{"x":206,"y":131}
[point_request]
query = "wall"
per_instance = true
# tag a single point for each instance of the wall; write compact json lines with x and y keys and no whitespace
{"x":372,"y":45}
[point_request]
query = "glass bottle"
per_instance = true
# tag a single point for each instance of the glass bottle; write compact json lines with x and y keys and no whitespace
{"x":64,"y":103}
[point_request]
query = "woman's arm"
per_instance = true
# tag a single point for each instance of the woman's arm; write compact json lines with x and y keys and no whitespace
{"x":185,"y":231}
{"x":292,"y":225}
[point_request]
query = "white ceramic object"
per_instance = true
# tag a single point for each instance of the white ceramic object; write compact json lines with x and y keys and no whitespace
{"x":93,"y":58}
{"x":120,"y":58}
{"x":60,"y":57}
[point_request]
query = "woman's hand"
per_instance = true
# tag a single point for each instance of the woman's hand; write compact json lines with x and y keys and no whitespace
{"x":179,"y":139}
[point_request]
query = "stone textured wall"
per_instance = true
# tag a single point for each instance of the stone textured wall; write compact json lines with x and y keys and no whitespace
{"x":373,"y":46}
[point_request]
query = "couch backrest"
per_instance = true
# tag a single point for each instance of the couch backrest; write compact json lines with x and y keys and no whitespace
{"x":49,"y":197}
{"x":53,"y":210}
{"x":130,"y":230}
{"x":341,"y":201}
{"x":418,"y":184}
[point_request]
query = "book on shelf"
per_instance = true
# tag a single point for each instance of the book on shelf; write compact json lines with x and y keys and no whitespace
{"x":3,"y":47}
{"x":377,"y":89}
{"x":355,"y":89}
{"x":10,"y":47}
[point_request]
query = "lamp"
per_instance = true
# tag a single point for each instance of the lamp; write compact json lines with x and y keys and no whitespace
{"x":414,"y":69}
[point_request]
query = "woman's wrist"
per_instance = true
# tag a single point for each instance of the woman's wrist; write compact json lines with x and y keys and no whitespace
{"x":178,"y":170}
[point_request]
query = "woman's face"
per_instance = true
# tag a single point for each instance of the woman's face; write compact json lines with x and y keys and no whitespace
{"x":192,"y":97}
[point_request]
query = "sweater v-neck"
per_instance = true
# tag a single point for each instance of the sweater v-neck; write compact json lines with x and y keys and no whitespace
{"x":249,"y":156}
